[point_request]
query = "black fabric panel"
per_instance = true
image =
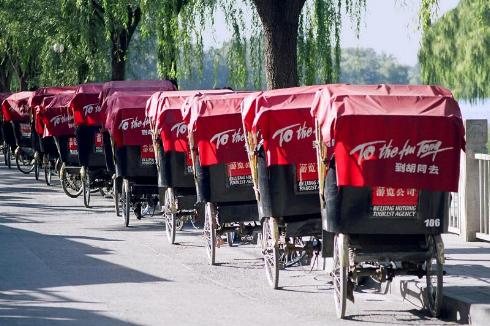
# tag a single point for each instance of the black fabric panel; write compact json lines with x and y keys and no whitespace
{"x":128,"y":164}
{"x":48,"y":147}
{"x":63,"y":151}
{"x":175,"y":173}
{"x":19,"y":140}
{"x":109,"y":155}
{"x":36,"y":142}
{"x":242,"y":211}
{"x":161,"y":165}
{"x":214,"y":186}
{"x":348,"y":210}
{"x":278,"y":195}
{"x":8,"y":134}
{"x":86,"y":147}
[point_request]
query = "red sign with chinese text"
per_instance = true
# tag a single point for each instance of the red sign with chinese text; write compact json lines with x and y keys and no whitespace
{"x":73,"y":146}
{"x":147,"y":154}
{"x":382,"y":196}
{"x":307,"y":177}
{"x":25,"y":129}
{"x":239,"y":173}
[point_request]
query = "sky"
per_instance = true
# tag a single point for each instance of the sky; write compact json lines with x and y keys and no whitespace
{"x":388,"y":26}
{"x":391,"y":26}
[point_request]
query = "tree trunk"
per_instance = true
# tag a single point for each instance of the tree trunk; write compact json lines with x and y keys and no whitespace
{"x":118,"y":63}
{"x":120,"y":43}
{"x":280,"y":20}
{"x":5,"y":76}
{"x":23,"y":83}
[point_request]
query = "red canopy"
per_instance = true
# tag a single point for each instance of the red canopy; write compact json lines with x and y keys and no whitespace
{"x":38,"y":123}
{"x":216,"y":126}
{"x":85,"y":105}
{"x":152,"y":86}
{"x":392,"y":135}
{"x":15,"y":107}
{"x":282,"y":120}
{"x":126,"y":120}
{"x":161,"y":102}
{"x":167,"y":121}
{"x":57,"y":116}
{"x":151,"y":109}
{"x":134,"y":86}
{"x":37,"y":97}
{"x":3,"y":96}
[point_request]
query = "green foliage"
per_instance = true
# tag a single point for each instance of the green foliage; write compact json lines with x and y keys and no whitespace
{"x":90,"y":31}
{"x":455,"y":51}
{"x":358,"y":66}
{"x":365,"y":66}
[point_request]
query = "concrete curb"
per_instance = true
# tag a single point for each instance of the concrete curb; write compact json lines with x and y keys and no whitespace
{"x":465,"y":305}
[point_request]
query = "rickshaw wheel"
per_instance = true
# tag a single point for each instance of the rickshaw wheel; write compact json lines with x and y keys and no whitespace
{"x":71,"y":184}
{"x":86,"y":190}
{"x":170,"y":216}
{"x":339,"y":273}
{"x":23,"y":165}
{"x":179,"y":224}
{"x":6,"y":154}
{"x":229,"y":238}
{"x":210,"y":231}
{"x":8,"y":157}
{"x":47,"y":172}
{"x":434,"y":275}
{"x":36,"y":169}
{"x":270,"y":239}
{"x":126,"y":201}
{"x":117,"y":199}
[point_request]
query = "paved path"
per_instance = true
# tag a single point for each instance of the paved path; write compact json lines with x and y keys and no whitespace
{"x":62,"y":264}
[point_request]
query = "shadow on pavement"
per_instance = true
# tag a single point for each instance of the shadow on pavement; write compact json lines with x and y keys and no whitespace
{"x":31,"y":264}
{"x":53,"y":316}
{"x":394,"y":317}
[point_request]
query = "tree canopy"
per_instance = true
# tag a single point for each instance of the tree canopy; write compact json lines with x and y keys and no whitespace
{"x":455,"y":51}
{"x":290,"y":42}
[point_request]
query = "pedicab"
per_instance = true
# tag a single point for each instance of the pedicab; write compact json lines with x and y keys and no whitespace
{"x":385,"y":191}
{"x":221,"y":168}
{"x":36,"y":101}
{"x":88,"y":119}
{"x":279,"y":134}
{"x":16,"y":111}
{"x":132,"y":149}
{"x":57,"y":120}
{"x":7,"y":139}
{"x":176,"y":185}
{"x":50,"y":160}
{"x":96,"y":174}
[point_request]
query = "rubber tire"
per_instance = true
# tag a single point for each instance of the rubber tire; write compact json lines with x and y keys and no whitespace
{"x":65,"y":187}
{"x":270,"y":251}
{"x":209,"y":232}
{"x":4,"y":151}
{"x":434,"y":301}
{"x":86,"y":190}
{"x":9,"y":158}
{"x":36,"y":170}
{"x":339,"y":274}
{"x":7,"y":155}
{"x":47,"y":173}
{"x":126,"y":201}
{"x":117,"y":195}
{"x":170,"y":217}
{"x":229,"y":238}
{"x":17,"y":159}
{"x":179,"y":224}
